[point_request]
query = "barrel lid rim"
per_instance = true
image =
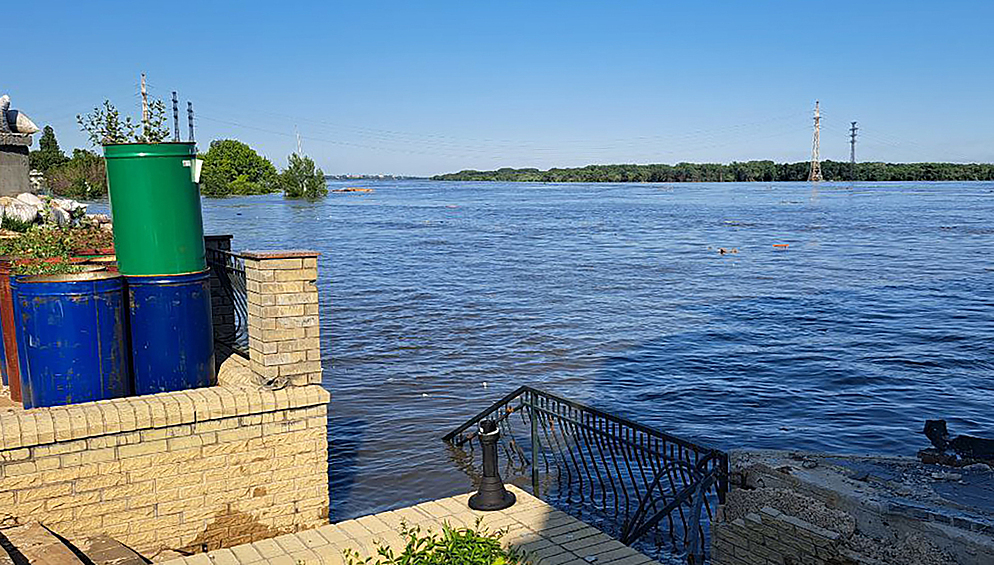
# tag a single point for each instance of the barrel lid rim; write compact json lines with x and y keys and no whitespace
{"x":171,"y":148}
{"x":144,"y":277}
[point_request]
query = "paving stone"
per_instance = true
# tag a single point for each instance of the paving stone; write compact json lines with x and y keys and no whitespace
{"x":353,"y":529}
{"x":332,"y":533}
{"x":246,"y":553}
{"x":312,"y":539}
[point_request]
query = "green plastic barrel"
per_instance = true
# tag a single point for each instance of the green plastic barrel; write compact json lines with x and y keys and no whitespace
{"x":155,"y":203}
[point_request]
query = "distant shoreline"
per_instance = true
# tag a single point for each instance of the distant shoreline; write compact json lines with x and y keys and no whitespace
{"x":749,"y":171}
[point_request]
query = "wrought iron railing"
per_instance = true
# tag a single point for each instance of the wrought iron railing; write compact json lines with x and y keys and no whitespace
{"x":648,"y":488}
{"x":229,"y":300}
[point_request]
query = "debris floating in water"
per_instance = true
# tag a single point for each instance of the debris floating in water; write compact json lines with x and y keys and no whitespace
{"x":352,"y":189}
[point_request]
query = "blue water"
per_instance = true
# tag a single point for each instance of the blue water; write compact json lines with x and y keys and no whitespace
{"x":438,"y":298}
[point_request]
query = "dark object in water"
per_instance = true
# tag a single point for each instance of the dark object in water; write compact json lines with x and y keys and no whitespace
{"x":966,"y":449}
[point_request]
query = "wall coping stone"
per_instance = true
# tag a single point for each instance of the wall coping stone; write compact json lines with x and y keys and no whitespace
{"x":283,"y":254}
{"x":40,"y":426}
{"x":22,"y":139}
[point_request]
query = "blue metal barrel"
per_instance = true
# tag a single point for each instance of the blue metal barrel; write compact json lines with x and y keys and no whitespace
{"x":172,"y":338}
{"x":71,"y":340}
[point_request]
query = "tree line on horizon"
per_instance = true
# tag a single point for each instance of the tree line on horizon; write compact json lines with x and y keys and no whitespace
{"x":749,"y":171}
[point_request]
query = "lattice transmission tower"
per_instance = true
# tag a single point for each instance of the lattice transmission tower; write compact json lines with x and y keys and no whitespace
{"x":852,"y":151}
{"x":815,"y":175}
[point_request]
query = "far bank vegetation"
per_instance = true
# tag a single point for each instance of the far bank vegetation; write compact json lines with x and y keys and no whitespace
{"x":749,"y":171}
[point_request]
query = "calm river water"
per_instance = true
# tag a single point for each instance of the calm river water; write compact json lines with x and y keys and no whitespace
{"x":438,"y":298}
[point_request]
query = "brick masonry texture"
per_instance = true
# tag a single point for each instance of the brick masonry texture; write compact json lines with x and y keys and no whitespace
{"x":546,"y":536}
{"x":210,"y":467}
{"x":769,"y":537}
{"x":283,"y":326}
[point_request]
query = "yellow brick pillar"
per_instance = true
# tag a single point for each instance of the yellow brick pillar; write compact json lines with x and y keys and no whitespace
{"x":283,"y":323}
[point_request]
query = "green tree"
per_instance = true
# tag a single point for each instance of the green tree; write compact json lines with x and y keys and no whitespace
{"x":301,"y":179}
{"x":233,"y":168}
{"x":48,"y":155}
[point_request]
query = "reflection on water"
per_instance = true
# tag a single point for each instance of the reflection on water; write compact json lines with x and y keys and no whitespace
{"x":437,"y":299}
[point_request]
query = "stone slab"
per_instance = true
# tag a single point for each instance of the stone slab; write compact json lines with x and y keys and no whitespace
{"x":20,"y":139}
{"x":39,"y":546}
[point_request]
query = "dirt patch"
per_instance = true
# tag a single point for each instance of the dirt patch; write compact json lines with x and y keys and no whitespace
{"x":741,"y":502}
{"x":915,"y":549}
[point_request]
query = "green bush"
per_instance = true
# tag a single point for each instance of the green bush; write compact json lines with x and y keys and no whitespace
{"x":233,"y":168}
{"x":302,"y":179}
{"x":454,"y":546}
{"x":84,"y":177}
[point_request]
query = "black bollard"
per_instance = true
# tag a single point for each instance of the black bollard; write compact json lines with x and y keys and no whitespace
{"x":492,"y":494}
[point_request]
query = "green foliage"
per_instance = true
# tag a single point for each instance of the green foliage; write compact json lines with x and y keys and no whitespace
{"x":751,"y":171}
{"x":233,"y":168}
{"x":14,"y":224}
{"x":57,"y":266}
{"x":84,"y":177}
{"x":104,"y":125}
{"x":454,"y":546}
{"x":49,"y":154}
{"x":301,"y":179}
{"x":47,"y":250}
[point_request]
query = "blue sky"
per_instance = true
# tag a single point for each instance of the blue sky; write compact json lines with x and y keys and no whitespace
{"x":427,"y":87}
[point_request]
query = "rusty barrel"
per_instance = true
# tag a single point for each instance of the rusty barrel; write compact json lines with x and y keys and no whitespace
{"x":9,"y":344}
{"x":172,"y":335}
{"x":72,"y":338}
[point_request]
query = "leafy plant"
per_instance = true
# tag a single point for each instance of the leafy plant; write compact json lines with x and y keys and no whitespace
{"x":15,"y":224}
{"x":453,"y":546}
{"x":302,"y":179}
{"x":105,"y":126}
{"x":59,"y":266}
{"x":47,"y":250}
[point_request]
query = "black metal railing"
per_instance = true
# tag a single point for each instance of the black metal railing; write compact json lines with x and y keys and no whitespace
{"x":648,"y":488}
{"x":230,"y":300}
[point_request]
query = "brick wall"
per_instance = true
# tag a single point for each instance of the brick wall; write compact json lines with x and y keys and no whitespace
{"x":216,"y":466}
{"x":283,"y":328}
{"x":770,"y":537}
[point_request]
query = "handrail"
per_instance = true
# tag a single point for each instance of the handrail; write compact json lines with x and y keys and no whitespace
{"x":640,"y":484}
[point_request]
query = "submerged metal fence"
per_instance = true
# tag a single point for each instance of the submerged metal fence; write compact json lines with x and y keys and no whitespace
{"x":649,"y":489}
{"x":229,"y":299}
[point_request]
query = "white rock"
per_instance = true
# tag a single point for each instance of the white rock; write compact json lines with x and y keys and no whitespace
{"x":18,"y":210}
{"x":60,"y":217}
{"x":69,"y":205}
{"x":31,"y":199}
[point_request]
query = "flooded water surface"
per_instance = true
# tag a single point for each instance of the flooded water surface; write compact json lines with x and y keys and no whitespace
{"x":837,"y":319}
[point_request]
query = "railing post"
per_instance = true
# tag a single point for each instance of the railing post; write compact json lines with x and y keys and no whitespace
{"x":536,"y":446}
{"x":222,"y":303}
{"x":283,"y":323}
